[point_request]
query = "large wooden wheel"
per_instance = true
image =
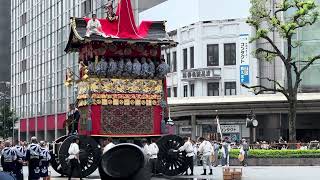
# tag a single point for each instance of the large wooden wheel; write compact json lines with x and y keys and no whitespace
{"x":170,"y":161}
{"x":55,"y":162}
{"x":89,"y":156}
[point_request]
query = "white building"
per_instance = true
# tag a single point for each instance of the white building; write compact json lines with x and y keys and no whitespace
{"x":207,"y":60}
{"x":39,"y":34}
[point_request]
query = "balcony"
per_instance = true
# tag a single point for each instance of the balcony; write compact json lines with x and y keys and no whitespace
{"x":213,"y":73}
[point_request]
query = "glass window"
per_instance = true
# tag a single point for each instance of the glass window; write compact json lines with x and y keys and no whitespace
{"x":23,"y":42}
{"x":169,"y":60}
{"x":191,"y":57}
{"x":191,"y":90}
{"x":23,"y":65}
{"x":169,"y":92}
{"x":174,"y":61}
{"x":230,"y":88}
{"x":23,"y":19}
{"x":213,"y":89}
{"x":185,"y":58}
{"x":212,"y":55}
{"x":24,"y":88}
{"x":185,"y":91}
{"x":175,"y":92}
{"x":230,"y":54}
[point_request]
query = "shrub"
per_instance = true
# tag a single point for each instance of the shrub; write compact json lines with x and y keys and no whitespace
{"x":258,"y":153}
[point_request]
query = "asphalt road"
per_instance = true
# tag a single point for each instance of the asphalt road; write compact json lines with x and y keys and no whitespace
{"x":249,"y":173}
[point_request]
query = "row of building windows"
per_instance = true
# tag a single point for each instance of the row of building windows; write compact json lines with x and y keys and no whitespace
{"x":213,"y":89}
{"x":212,"y":56}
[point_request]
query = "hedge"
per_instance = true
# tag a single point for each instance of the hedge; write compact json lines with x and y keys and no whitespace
{"x":258,"y":153}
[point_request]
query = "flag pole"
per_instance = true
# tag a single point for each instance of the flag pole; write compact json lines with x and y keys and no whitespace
{"x":218,"y":125}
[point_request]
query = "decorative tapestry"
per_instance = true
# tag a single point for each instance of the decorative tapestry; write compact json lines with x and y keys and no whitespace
{"x":127,"y":119}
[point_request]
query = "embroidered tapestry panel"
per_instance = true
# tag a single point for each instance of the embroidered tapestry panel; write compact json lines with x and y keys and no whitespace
{"x":127,"y":119}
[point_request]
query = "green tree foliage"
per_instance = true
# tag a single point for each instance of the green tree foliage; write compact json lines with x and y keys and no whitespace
{"x":285,"y":19}
{"x":7,"y":120}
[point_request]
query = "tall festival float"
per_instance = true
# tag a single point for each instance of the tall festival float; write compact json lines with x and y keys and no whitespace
{"x":116,"y":102}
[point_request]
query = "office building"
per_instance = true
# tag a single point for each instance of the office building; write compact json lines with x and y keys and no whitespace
{"x":39,"y":33}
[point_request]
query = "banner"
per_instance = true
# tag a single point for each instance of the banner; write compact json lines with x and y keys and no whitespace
{"x":244,"y":58}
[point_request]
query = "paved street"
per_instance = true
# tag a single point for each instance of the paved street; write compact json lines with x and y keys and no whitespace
{"x":249,"y":173}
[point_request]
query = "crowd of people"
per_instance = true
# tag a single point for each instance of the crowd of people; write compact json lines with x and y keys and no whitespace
{"x":36,"y":155}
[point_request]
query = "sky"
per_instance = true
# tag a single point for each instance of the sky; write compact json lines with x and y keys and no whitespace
{"x":179,"y":13}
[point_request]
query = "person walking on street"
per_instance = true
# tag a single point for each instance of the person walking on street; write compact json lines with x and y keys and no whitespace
{"x":225,"y":153}
{"x":153,"y":150}
{"x":33,"y":158}
{"x":245,"y":149}
{"x":216,"y":149}
{"x":205,"y":149}
{"x":188,"y":148}
{"x":44,"y":161}
{"x":145,"y":149}
{"x":8,"y":158}
{"x":74,"y":157}
{"x":21,"y":155}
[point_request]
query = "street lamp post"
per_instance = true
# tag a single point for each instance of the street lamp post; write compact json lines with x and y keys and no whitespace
{"x":252,"y":123}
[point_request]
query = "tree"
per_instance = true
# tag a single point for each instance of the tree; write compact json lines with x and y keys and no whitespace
{"x":7,"y":120}
{"x":298,"y":14}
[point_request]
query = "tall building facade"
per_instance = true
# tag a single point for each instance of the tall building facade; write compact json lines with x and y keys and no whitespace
{"x":39,"y":34}
{"x":5,"y":41}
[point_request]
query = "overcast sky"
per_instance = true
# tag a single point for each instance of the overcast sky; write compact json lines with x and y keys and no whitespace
{"x":180,"y":13}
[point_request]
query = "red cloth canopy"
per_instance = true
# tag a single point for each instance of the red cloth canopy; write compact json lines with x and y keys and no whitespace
{"x":124,"y":26}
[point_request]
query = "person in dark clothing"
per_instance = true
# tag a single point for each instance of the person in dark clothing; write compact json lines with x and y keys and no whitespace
{"x":44,"y":161}
{"x":73,"y":119}
{"x":8,"y":158}
{"x":33,"y":158}
{"x":21,"y":155}
{"x":245,"y":148}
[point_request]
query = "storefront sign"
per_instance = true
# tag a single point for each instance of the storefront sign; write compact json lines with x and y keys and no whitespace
{"x":226,"y":129}
{"x":244,"y":74}
{"x":244,"y":58}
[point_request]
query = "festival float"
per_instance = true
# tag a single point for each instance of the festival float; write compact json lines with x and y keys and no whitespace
{"x":121,"y":94}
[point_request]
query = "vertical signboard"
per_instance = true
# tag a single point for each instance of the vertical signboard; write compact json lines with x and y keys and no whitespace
{"x":244,"y":58}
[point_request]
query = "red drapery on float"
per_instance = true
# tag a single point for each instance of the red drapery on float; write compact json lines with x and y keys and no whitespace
{"x":125,"y":26}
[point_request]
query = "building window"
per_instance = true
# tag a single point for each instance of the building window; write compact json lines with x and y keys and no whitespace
{"x":23,"y":65}
{"x":169,"y":60}
{"x":175,"y":92}
{"x":230,"y":54}
{"x":185,"y":58}
{"x":24,"y":88}
{"x":213,"y":89}
{"x":23,"y":19}
{"x":169,"y":92}
{"x":213,"y":55}
{"x":23,"y":42}
{"x":230,"y":88}
{"x":185,"y":91}
{"x":86,"y":7}
{"x":191,"y":90}
{"x":174,"y":61}
{"x":191,"y":57}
